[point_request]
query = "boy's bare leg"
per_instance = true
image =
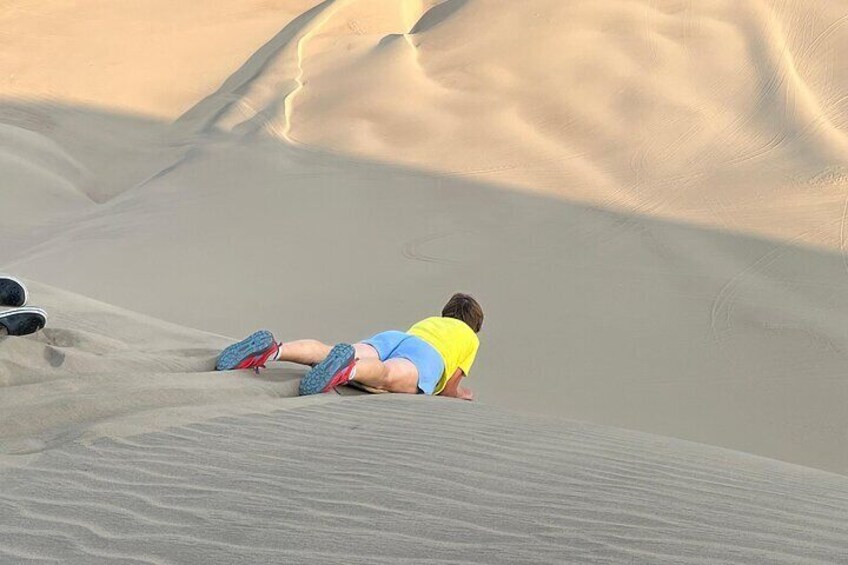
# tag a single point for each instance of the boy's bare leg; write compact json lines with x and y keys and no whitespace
{"x":304,"y":352}
{"x":311,"y":351}
{"x":395,"y":375}
{"x":365,"y":351}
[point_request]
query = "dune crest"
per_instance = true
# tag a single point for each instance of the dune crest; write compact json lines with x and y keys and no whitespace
{"x":259,"y":96}
{"x":629,"y":187}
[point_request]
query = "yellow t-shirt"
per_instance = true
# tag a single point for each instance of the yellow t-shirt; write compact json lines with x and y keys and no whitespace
{"x":455,"y":341}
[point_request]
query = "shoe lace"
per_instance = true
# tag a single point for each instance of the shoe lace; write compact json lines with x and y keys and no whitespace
{"x":260,"y":362}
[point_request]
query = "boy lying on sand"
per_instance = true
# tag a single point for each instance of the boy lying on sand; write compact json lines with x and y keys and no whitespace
{"x":431,"y":358}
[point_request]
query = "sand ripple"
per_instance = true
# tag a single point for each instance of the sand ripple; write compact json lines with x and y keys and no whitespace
{"x":412,"y":480}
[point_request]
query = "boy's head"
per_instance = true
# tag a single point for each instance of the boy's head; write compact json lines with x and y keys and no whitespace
{"x":463,"y":307}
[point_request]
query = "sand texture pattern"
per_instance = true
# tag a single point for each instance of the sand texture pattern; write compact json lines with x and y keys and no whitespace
{"x":362,"y":480}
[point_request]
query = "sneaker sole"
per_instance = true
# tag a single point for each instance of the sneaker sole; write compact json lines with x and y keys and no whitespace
{"x":321,"y":374}
{"x":23,"y":321}
{"x":252,"y":345}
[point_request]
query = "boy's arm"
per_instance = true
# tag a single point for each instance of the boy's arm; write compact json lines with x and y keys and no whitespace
{"x":454,"y":390}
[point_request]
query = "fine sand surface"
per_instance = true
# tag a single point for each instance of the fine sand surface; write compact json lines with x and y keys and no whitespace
{"x":120,"y":445}
{"x":648,"y":198}
{"x":384,"y":479}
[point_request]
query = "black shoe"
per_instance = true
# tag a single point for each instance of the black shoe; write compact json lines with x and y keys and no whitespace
{"x":22,"y":321}
{"x":12,"y":292}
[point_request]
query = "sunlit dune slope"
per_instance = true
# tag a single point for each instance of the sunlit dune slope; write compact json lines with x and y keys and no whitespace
{"x":719,"y":112}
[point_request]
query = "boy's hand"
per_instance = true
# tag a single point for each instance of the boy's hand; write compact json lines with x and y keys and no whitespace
{"x":454,"y":390}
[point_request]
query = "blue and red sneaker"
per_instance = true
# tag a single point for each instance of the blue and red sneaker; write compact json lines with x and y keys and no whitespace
{"x":253,"y":352}
{"x":335,"y":370}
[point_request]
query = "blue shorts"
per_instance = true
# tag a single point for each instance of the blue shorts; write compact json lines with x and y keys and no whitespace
{"x":401,"y":345}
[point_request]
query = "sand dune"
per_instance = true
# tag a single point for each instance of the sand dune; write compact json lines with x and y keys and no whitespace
{"x":617,"y":319}
{"x":652,"y":108}
{"x":647,"y":197}
{"x":117,"y":445}
{"x":662,"y":109}
{"x":653,"y":325}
